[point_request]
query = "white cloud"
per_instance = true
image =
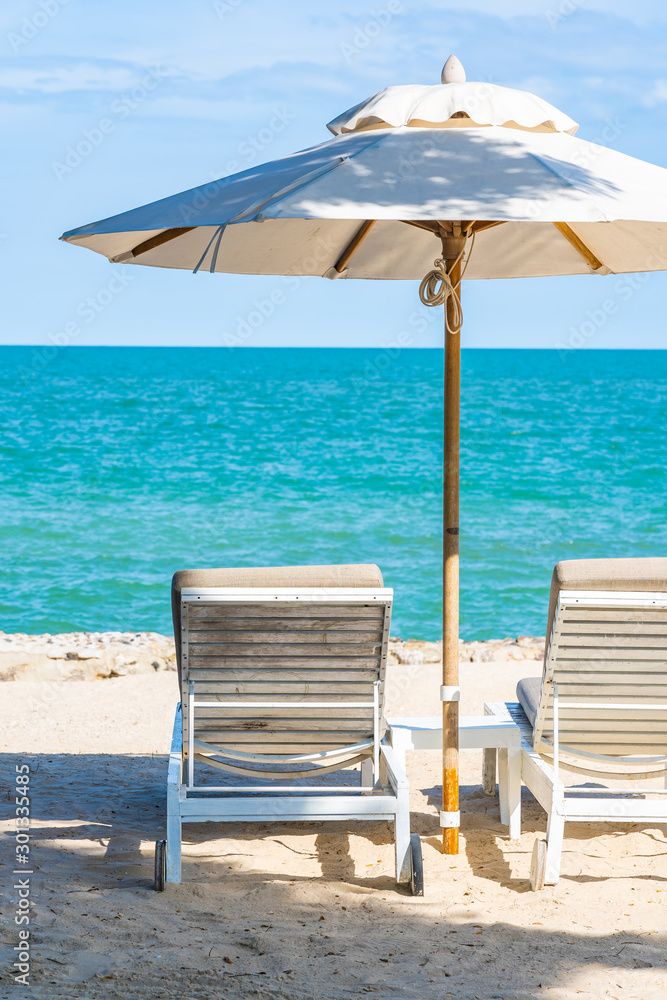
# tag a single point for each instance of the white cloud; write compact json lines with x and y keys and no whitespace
{"x":657,"y":95}
{"x":201,"y":107}
{"x":647,"y":12}
{"x":84,"y":76}
{"x":540,"y":85}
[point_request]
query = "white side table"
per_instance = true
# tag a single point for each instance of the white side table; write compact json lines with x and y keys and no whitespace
{"x":499,"y":737}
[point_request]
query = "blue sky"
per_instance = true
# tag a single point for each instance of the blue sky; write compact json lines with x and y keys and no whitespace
{"x":194,"y":89}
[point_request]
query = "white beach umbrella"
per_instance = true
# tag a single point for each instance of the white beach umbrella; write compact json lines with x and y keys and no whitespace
{"x":489,"y":181}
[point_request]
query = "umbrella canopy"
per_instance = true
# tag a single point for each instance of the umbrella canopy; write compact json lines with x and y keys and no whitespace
{"x":497,"y":176}
{"x":405,"y":156}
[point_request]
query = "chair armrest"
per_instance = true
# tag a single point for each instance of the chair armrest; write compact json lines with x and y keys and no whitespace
{"x":398,"y":779}
{"x":176,"y":754}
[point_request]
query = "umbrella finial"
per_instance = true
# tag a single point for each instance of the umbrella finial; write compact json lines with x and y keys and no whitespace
{"x":453,"y":71}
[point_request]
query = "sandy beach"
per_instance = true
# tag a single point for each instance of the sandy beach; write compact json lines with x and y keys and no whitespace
{"x":305,"y":911}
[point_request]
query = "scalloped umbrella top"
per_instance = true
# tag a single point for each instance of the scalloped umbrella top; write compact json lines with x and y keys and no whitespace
{"x":453,"y":105}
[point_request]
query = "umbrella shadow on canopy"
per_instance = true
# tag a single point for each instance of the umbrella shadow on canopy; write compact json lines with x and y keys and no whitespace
{"x":305,"y":209}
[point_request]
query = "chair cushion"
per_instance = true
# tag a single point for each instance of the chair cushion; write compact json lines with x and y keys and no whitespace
{"x":606,"y":574}
{"x":351,"y":575}
{"x":528,"y":692}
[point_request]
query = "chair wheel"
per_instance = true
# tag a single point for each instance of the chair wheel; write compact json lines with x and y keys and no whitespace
{"x":160,"y":865}
{"x":538,"y":865}
{"x":417,"y":866}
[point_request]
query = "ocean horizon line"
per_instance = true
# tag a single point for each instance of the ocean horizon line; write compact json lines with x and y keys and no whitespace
{"x":330,"y":347}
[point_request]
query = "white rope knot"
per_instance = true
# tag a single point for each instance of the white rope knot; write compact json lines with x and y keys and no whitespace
{"x":436,"y":288}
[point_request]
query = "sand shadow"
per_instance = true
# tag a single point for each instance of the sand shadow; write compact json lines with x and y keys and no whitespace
{"x":95,"y":818}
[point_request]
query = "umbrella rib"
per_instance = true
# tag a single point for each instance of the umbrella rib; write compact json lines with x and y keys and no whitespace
{"x":354,"y":243}
{"x":157,"y":241}
{"x":430,"y":227}
{"x":579,"y":245}
{"x":479,"y":227}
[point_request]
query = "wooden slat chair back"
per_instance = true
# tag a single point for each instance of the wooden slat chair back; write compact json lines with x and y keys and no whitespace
{"x":282,"y":676}
{"x":600,"y":707}
{"x":286,"y":681}
{"x":606,"y":663}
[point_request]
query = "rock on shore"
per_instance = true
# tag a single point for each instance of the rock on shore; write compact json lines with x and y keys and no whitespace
{"x":415,"y":651}
{"x":89,"y":656}
{"x":83,"y":656}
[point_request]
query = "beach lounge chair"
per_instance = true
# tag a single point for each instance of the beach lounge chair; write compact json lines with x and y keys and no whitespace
{"x":600,"y":707}
{"x":282,"y":678}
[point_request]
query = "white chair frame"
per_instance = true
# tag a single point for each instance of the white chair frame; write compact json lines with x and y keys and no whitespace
{"x":543,"y":759}
{"x":382,"y":792}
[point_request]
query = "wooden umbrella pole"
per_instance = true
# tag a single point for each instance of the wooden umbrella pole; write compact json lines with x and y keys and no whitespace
{"x":450,"y":554}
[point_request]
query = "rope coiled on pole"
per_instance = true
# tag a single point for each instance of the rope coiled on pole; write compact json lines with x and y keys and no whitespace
{"x":437,"y":287}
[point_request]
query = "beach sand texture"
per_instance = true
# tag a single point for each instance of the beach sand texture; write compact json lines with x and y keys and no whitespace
{"x":305,"y":911}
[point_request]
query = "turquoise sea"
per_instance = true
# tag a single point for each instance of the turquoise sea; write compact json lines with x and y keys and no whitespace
{"x":120,"y":465}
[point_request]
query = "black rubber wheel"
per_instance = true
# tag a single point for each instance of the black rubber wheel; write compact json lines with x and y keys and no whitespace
{"x":417,"y":875}
{"x":160,"y":865}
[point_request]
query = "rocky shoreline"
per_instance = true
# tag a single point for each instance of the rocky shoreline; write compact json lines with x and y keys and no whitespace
{"x":88,"y":656}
